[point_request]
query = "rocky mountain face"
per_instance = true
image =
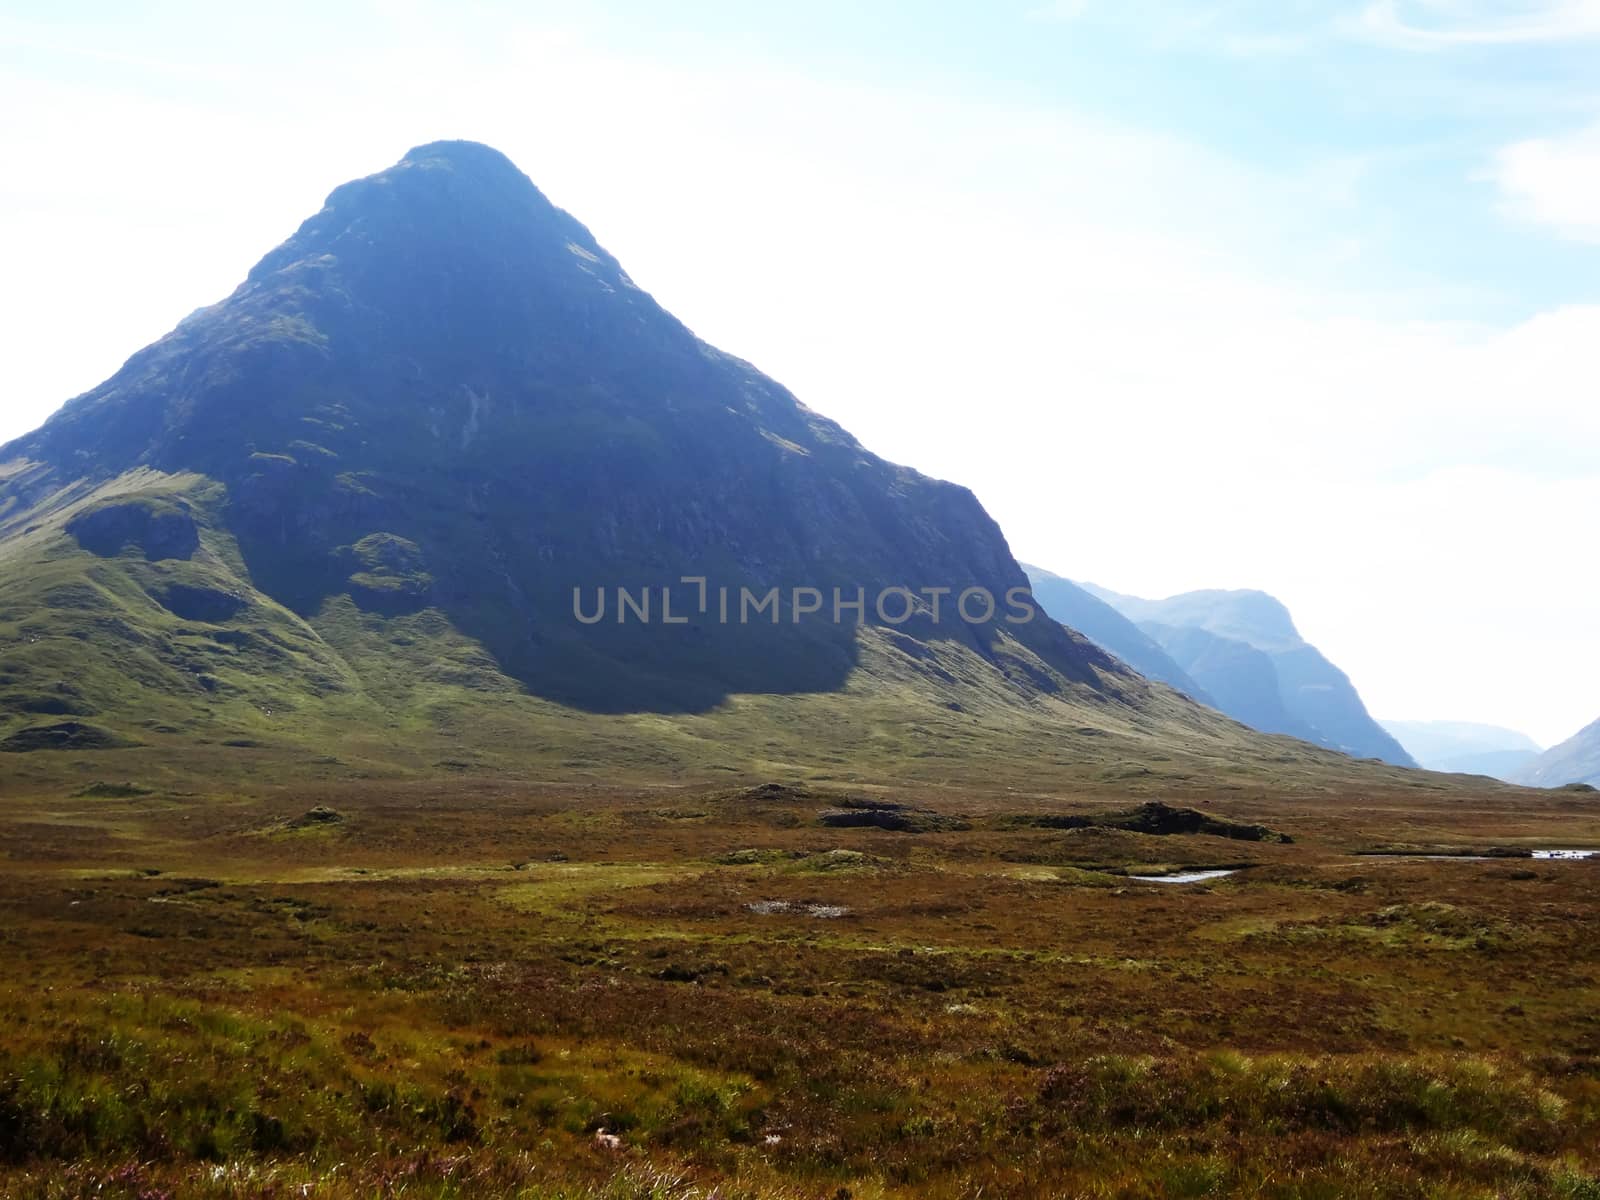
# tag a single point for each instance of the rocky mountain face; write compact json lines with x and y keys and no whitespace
{"x":1242,"y":647}
{"x":1465,"y":747}
{"x":1576,"y":760}
{"x":395,"y":480}
{"x":442,"y":392}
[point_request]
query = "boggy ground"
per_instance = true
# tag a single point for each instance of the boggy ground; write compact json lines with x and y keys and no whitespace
{"x":441,"y":989}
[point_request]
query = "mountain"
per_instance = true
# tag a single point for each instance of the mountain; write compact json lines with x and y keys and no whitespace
{"x":1246,"y":616}
{"x":1466,"y":748}
{"x":1106,"y":627}
{"x":1243,"y":648}
{"x":1576,"y":760}
{"x":1244,"y":680}
{"x":365,"y":512}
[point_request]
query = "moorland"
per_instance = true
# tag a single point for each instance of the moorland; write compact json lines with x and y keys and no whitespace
{"x":507,"y":987}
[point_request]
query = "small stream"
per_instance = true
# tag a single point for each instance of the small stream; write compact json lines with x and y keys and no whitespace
{"x":1557,"y":855}
{"x":823,"y":912}
{"x":1551,"y":854}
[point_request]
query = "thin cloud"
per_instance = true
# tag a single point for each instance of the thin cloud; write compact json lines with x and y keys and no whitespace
{"x":1059,"y":10}
{"x":1232,"y":29}
{"x":1553,"y":182}
{"x":1464,"y":23}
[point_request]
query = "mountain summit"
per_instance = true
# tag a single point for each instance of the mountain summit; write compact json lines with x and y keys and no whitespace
{"x":386,"y":483}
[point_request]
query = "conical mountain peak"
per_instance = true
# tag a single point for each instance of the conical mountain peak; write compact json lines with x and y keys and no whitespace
{"x":439,"y":360}
{"x":445,"y":274}
{"x":446,"y":209}
{"x":439,"y":413}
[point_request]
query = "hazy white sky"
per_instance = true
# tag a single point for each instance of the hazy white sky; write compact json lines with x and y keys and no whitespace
{"x":1299,"y":295}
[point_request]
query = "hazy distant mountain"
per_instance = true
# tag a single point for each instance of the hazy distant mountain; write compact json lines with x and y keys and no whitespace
{"x":351,"y":504}
{"x":1098,"y":621}
{"x":1576,"y":760}
{"x":1464,"y":747}
{"x":1227,"y":640}
{"x":1241,"y":680}
{"x":1247,"y":616}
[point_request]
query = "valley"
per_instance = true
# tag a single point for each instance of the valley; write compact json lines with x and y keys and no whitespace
{"x":348,"y":850}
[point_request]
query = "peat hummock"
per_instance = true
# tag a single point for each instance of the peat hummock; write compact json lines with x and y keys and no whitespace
{"x":1161,"y":820}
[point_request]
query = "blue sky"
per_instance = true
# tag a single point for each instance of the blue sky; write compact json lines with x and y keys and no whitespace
{"x":1299,"y":296}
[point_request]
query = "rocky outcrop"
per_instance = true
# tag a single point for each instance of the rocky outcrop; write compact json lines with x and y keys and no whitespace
{"x":157,"y":528}
{"x":68,"y":735}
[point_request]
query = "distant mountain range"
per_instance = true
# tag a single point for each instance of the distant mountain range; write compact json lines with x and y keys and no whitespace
{"x":1237,"y":650}
{"x":1079,"y":609}
{"x":1466,"y":748}
{"x":348,"y":513}
{"x":1576,"y":760}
